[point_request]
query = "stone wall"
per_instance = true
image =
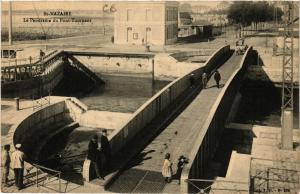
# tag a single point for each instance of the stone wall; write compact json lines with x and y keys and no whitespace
{"x":118,"y":64}
{"x":268,"y":67}
{"x":165,"y":66}
{"x":31,"y":131}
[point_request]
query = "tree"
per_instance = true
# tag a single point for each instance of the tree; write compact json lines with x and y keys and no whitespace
{"x":246,"y":12}
{"x":185,"y":7}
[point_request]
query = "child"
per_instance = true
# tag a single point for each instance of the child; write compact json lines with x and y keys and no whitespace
{"x":167,"y":168}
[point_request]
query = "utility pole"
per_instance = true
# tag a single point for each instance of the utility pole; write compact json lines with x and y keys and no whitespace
{"x":287,"y":80}
{"x":10,"y":23}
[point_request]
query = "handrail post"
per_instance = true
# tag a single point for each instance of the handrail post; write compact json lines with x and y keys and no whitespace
{"x":59,"y":183}
{"x":37,"y":177}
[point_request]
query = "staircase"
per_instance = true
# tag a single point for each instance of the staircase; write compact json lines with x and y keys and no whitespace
{"x":76,"y":108}
{"x":86,"y":70}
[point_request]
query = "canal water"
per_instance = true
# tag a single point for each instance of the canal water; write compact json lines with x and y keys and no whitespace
{"x":122,"y":93}
{"x":261,"y":105}
{"x":67,"y":151}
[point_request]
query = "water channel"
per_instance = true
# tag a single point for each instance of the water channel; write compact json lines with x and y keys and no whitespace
{"x":67,"y":151}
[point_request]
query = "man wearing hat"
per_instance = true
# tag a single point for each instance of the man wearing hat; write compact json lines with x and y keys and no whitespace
{"x":17,"y":164}
{"x":105,"y":146}
{"x":94,"y":155}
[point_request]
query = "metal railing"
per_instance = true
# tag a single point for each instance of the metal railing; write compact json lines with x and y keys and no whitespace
{"x":45,"y":178}
{"x":205,"y":186}
{"x":26,"y":61}
{"x":268,"y":175}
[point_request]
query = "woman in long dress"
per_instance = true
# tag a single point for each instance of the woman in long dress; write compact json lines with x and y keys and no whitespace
{"x":167,"y":169}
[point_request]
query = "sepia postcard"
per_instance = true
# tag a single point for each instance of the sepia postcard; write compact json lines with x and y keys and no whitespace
{"x":150,"y":97}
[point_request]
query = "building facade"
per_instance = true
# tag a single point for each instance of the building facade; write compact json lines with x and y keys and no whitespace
{"x":151,"y":23}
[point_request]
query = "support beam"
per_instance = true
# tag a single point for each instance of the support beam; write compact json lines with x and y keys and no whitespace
{"x":287,"y":130}
{"x":287,"y":80}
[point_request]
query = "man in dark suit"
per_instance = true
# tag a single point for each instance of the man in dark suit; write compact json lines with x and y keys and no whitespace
{"x":105,"y":147}
{"x":217,"y":78}
{"x":93,"y":155}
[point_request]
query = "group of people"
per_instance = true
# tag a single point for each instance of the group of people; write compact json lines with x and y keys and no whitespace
{"x":204,"y":79}
{"x":167,"y":170}
{"x":14,"y":162}
{"x":99,"y":155}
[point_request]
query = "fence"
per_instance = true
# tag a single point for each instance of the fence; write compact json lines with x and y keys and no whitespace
{"x":44,"y":177}
{"x":25,"y":61}
{"x":274,"y":176}
{"x":31,"y":81}
{"x":205,"y":186}
{"x":212,"y":128}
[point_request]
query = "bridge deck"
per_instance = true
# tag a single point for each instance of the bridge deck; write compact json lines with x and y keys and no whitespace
{"x":143,"y":172}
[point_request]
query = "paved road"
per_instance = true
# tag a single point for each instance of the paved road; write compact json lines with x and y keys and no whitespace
{"x":143,"y":172}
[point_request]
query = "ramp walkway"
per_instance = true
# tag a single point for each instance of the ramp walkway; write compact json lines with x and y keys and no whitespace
{"x":143,"y":172}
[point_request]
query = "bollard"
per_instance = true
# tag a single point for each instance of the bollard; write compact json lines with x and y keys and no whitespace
{"x":17,"y":103}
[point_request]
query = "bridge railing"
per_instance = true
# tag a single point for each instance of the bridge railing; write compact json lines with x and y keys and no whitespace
{"x":207,"y":139}
{"x":29,"y":71}
{"x":159,"y":102}
{"x":25,"y":61}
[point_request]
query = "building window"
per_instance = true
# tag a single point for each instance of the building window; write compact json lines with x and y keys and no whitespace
{"x":168,"y":33}
{"x":167,"y":15}
{"x":135,"y":36}
{"x":129,"y":14}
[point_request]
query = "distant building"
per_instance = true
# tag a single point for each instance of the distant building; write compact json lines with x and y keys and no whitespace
{"x":215,"y":19}
{"x":203,"y":28}
{"x":185,"y":24}
{"x":198,"y":29}
{"x":185,"y":18}
{"x":139,"y":23}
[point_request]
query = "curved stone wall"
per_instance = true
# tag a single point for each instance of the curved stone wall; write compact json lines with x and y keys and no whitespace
{"x":37,"y":126}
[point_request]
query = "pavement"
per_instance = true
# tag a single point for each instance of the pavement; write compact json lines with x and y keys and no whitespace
{"x":143,"y":172}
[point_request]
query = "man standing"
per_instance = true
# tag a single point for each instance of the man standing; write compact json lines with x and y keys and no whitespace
{"x":217,"y":78}
{"x":204,"y":80}
{"x":17,"y":163}
{"x":42,"y":54}
{"x":5,"y":164}
{"x":105,"y":148}
{"x":93,"y":153}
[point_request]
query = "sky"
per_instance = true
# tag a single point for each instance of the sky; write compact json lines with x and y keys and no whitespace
{"x":77,"y":5}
